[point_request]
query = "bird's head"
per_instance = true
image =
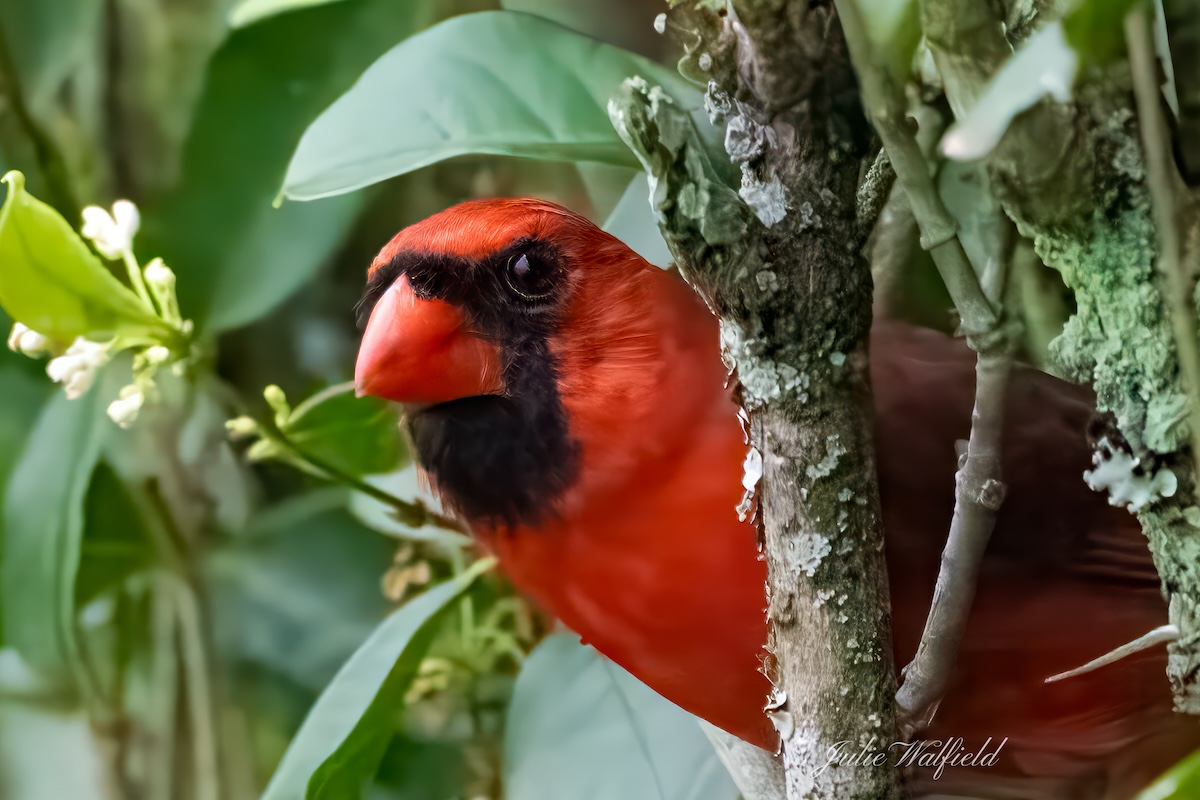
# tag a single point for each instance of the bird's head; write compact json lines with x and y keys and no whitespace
{"x":482,"y":320}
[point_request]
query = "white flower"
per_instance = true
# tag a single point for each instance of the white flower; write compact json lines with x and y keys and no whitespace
{"x":76,"y":369}
{"x":24,"y":340}
{"x":112,"y":233}
{"x":124,"y":410}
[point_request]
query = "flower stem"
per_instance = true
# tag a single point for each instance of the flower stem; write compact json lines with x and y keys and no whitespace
{"x":138,"y":281}
{"x":412,"y":512}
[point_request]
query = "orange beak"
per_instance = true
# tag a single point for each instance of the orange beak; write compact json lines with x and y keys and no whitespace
{"x":418,"y":351}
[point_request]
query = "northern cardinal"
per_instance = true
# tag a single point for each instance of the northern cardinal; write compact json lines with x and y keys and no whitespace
{"x":568,"y":401}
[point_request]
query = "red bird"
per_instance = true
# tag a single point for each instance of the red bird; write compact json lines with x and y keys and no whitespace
{"x":568,"y":400}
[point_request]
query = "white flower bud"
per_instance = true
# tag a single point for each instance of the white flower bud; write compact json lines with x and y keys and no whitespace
{"x":76,"y":368}
{"x":124,"y":410}
{"x":240,"y":427}
{"x":26,"y":341}
{"x":157,"y":355}
{"x":159,"y":275}
{"x":111,"y":233}
{"x":126,"y":216}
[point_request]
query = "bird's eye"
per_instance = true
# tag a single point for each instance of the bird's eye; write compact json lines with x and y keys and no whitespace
{"x":531,"y":278}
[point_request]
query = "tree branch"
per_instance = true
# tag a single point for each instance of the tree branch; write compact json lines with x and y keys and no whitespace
{"x":979,"y":490}
{"x":779,"y":260}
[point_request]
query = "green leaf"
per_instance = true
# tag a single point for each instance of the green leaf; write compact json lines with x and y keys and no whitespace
{"x":115,"y":544}
{"x":1181,"y":782}
{"x":48,"y":39}
{"x":580,"y":726}
{"x":634,"y":222}
{"x":236,"y":257}
{"x":495,"y":82}
{"x":52,"y":282}
{"x":24,"y":396}
{"x":299,"y":591}
{"x":43,"y":528}
{"x":1096,"y":29}
{"x":341,"y":742}
{"x":248,"y":12}
{"x":359,"y":435}
{"x":624,"y":23}
{"x":1045,"y":65}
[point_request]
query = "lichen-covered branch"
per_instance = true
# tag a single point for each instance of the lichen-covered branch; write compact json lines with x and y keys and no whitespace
{"x":778,"y":258}
{"x":1082,"y":198}
{"x":1165,"y":196}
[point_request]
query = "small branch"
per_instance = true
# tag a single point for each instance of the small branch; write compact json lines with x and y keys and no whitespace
{"x":978,"y":495}
{"x":1163,"y":634}
{"x":979,"y":490}
{"x":165,"y":671}
{"x":198,"y":691}
{"x":873,"y":194}
{"x":413,"y":513}
{"x":757,"y":774}
{"x":938,"y":228}
{"x":1164,"y":197}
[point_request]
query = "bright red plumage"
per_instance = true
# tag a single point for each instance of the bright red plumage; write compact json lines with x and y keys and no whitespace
{"x":643,"y":555}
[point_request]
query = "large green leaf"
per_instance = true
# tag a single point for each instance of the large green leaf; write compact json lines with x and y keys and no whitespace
{"x":47,"y":38}
{"x":359,"y":435}
{"x":341,"y":742}
{"x":236,"y":257}
{"x":248,"y":12}
{"x":581,"y":727}
{"x":24,"y":395}
{"x":115,"y":543}
{"x":496,"y":82}
{"x":1045,"y":64}
{"x":1181,"y":782}
{"x":51,"y":281}
{"x":43,"y":528}
{"x":299,"y":591}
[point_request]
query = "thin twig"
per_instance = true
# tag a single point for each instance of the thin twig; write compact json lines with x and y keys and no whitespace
{"x":198,"y":691}
{"x":757,"y":774}
{"x":1163,"y":634}
{"x":1164,"y":198}
{"x":413,"y":512}
{"x":979,"y":490}
{"x":165,"y":671}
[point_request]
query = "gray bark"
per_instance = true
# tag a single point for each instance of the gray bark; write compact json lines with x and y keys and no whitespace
{"x":779,"y":261}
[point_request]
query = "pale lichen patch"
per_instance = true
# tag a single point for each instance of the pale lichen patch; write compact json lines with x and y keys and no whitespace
{"x":833,"y":453}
